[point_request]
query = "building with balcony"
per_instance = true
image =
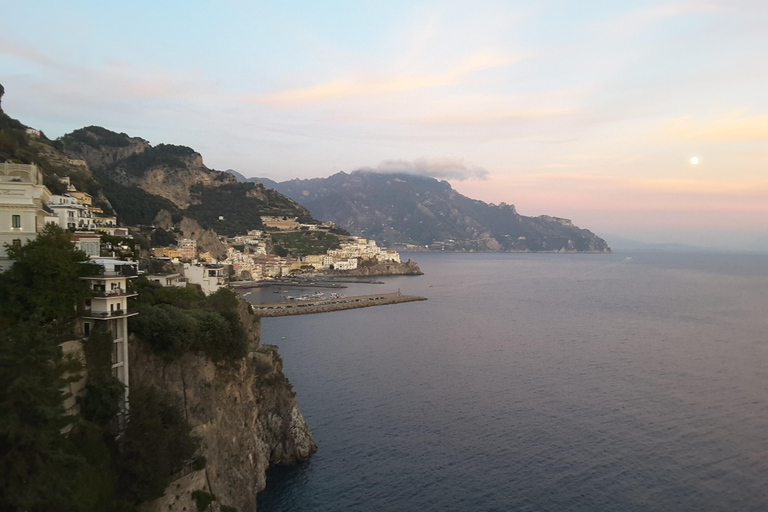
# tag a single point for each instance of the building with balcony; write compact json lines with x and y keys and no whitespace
{"x":210,"y":276}
{"x":72,"y":214}
{"x":109,"y":304}
{"x":23,"y":206}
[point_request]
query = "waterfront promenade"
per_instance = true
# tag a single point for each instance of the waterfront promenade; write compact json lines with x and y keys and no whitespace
{"x":307,"y":307}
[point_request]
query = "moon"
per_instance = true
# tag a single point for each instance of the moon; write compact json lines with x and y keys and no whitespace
{"x":694,"y":160}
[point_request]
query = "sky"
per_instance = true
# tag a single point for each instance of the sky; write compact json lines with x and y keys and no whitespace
{"x":587,"y":110}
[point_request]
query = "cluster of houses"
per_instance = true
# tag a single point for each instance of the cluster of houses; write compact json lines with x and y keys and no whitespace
{"x":248,"y":258}
{"x":26,"y":206}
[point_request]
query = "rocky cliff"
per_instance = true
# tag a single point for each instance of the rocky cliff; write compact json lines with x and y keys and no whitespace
{"x":141,"y":180}
{"x":244,"y":413}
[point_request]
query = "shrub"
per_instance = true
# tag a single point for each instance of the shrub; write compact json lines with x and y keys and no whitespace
{"x":203,"y":499}
{"x":101,"y":401}
{"x":199,"y":462}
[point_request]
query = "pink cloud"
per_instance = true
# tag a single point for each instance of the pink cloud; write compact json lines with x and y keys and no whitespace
{"x":359,"y":83}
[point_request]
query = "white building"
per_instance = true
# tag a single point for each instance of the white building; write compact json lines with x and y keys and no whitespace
{"x":109,"y":304}
{"x":176,"y":280}
{"x":210,"y":277}
{"x":72,"y":214}
{"x":348,"y":264}
{"x":23,"y":206}
{"x":89,"y":243}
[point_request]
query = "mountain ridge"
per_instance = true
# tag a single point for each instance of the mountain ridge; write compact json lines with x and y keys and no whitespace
{"x":402,"y":210}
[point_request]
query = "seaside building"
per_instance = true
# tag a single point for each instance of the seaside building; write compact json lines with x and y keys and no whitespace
{"x":348,"y":264}
{"x":210,"y":276}
{"x":109,"y":304}
{"x":23,"y":206}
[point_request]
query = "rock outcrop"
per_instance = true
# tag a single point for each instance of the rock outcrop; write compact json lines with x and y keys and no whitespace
{"x":207,"y":239}
{"x":387,"y":268}
{"x":244,"y":413}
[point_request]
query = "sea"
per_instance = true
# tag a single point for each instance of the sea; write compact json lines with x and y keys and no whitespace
{"x":535,"y":382}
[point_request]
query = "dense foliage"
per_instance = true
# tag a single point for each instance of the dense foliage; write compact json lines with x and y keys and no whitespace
{"x":162,"y":155}
{"x":134,"y":206}
{"x":241,"y":205}
{"x":53,"y":461}
{"x":38,"y":465}
{"x":44,"y":284}
{"x":173,"y":321}
{"x":96,"y":137}
{"x":230,"y":201}
{"x":162,"y":238}
{"x":299,"y":243}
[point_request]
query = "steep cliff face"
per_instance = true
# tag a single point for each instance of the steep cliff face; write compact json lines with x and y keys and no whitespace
{"x":245,"y":414}
{"x":164,"y":170}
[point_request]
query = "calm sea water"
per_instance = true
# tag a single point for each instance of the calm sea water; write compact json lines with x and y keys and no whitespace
{"x":536,"y":383}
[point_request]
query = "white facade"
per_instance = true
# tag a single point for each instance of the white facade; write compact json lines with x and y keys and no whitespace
{"x":210,"y":277}
{"x":72,"y":214}
{"x":348,"y":264}
{"x":109,"y":303}
{"x":23,"y":205}
{"x":89,"y":243}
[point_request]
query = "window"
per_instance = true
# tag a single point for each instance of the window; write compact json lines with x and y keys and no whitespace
{"x":87,"y":328}
{"x":16,"y":221}
{"x":17,"y":243}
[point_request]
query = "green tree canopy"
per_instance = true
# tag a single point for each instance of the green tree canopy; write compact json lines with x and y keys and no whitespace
{"x":44,"y":284}
{"x":37,"y":462}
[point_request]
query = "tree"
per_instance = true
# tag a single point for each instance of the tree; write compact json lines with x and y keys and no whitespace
{"x":157,"y":442}
{"x":44,"y":284}
{"x":39,"y":464}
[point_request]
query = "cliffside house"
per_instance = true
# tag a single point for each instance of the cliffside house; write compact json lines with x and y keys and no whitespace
{"x":88,"y":242}
{"x":210,"y":276}
{"x":176,"y":280}
{"x":109,"y":304}
{"x":23,"y":206}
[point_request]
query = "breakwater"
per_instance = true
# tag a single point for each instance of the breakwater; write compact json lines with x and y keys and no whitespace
{"x":327,"y":305}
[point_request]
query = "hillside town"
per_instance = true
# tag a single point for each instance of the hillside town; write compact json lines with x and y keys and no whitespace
{"x":27,"y":205}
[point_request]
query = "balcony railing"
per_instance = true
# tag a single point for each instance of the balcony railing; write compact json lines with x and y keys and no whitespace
{"x":118,"y":292}
{"x":111,"y":314}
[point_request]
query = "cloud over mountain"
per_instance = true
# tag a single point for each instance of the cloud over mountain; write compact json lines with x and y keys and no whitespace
{"x":448,"y":168}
